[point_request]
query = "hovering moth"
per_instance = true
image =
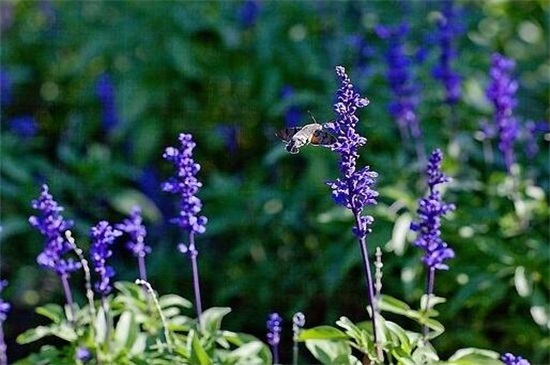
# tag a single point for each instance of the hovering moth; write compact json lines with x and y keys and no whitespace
{"x":314,"y":134}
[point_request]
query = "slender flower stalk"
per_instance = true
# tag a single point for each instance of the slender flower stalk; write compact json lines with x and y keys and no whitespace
{"x":274,"y":328}
{"x":151,"y":292}
{"x":353,"y":189}
{"x":105,"y":91}
{"x":502,"y":93}
{"x":52,"y":225}
{"x":135,"y":229}
{"x":298,"y":322}
{"x":449,"y":28}
{"x":430,"y":210}
{"x":406,"y":92}
{"x":87,"y":274}
{"x":510,"y":359}
{"x":4,"y":309}
{"x":186,"y":185}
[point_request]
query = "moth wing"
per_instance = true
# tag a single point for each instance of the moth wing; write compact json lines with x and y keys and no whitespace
{"x":322,"y":138}
{"x":287,"y":133}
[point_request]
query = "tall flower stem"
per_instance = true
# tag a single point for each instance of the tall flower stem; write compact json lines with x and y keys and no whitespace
{"x":195,"y":267}
{"x":430,"y":283}
{"x":370,"y":284}
{"x":3,"y":348}
{"x":142,"y":270}
{"x":68,"y":295}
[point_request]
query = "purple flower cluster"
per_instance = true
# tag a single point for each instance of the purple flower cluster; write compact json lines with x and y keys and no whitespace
{"x":135,"y":229}
{"x":105,"y":92}
{"x":4,"y":306}
{"x":405,"y":91}
{"x":293,"y":113}
{"x":502,"y":93}
{"x":448,"y":29}
{"x":103,"y":236}
{"x":353,"y":189}
{"x":510,"y":359}
{"x":186,"y":185}
{"x":53,"y":226}
{"x":365,"y":53}
{"x":24,"y":126}
{"x":248,"y":12}
{"x":5,"y":89}
{"x":274,"y":328}
{"x":430,"y":210}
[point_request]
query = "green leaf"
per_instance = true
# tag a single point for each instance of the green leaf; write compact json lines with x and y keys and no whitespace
{"x":100,"y":324}
{"x":34,"y":334}
{"x":392,"y":305}
{"x":199,"y":356}
{"x":172,"y":300}
{"x":126,"y":330}
{"x":211,"y":319}
{"x":474,"y":356}
{"x":331,"y":352}
{"x":399,"y":336}
{"x":52,"y":311}
{"x":322,"y":333}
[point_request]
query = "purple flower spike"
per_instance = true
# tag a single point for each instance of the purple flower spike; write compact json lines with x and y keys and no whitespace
{"x":105,"y":91}
{"x":449,"y":27}
{"x":510,"y":359}
{"x":135,"y":229}
{"x":502,"y":93}
{"x":430,"y":210}
{"x":103,"y":236}
{"x":353,"y":189}
{"x":406,"y":92}
{"x":186,"y":185}
{"x":53,"y":226}
{"x":274,"y":328}
{"x":4,"y":306}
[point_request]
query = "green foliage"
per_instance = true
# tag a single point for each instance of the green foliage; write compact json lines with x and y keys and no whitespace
{"x":127,"y":330}
{"x":274,"y":237}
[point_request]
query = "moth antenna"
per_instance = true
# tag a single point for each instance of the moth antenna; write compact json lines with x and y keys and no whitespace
{"x":312,"y":117}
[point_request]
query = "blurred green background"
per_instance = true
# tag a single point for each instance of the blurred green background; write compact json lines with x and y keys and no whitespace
{"x":92,"y":93}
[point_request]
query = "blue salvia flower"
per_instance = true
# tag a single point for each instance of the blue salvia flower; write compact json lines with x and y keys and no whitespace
{"x":186,"y":185}
{"x":510,"y":359}
{"x":102,"y":237}
{"x":24,"y":126}
{"x":5,"y":88}
{"x":293,"y":114}
{"x":135,"y":229}
{"x":502,"y":93}
{"x":406,"y":93}
{"x":105,"y":92}
{"x":83,"y":354}
{"x":274,"y":328}
{"x":4,"y":306}
{"x":449,"y":29}
{"x":4,"y":309}
{"x":353,"y":189}
{"x":248,"y":12}
{"x":430,"y":210}
{"x":365,"y":53}
{"x":6,"y":15}
{"x":52,"y":225}
{"x":229,"y":133}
